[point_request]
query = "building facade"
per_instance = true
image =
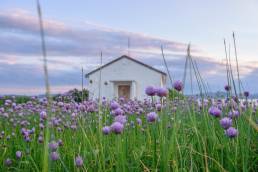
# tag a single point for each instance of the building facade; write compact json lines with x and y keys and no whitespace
{"x":123,"y":77}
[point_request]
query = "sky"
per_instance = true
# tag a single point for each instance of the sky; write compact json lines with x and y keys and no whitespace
{"x":77,"y":31}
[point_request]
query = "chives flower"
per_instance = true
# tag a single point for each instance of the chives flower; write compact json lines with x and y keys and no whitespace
{"x":150,"y":91}
{"x":152,"y":117}
{"x":233,"y":114}
{"x":226,"y":122}
{"x":60,"y":142}
{"x":43,"y":115}
{"x":117,"y":127}
{"x":79,"y":161}
{"x":214,"y":111}
{"x":121,"y":118}
{"x":8,"y":162}
{"x":178,"y":85}
{"x":118,"y":111}
{"x":158,"y":107}
{"x":162,"y":92}
{"x":73,"y":127}
{"x":246,"y":94}
{"x":139,"y":121}
{"x":227,"y":87}
{"x":18,"y":154}
{"x":106,"y":130}
{"x":231,"y":132}
{"x":53,"y":146}
{"x":54,"y":156}
{"x":114,"y":105}
{"x":40,"y":139}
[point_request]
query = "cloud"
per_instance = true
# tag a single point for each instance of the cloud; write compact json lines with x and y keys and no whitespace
{"x":66,"y":40}
{"x":70,"y":47}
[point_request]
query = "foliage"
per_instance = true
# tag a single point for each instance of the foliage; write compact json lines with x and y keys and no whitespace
{"x":17,"y":99}
{"x":72,"y":95}
{"x":185,"y":138}
{"x":175,"y":94}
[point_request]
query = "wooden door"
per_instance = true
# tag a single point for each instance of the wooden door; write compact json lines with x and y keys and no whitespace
{"x":124,"y":91}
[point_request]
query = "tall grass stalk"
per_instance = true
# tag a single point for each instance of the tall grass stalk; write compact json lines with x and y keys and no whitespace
{"x":44,"y":53}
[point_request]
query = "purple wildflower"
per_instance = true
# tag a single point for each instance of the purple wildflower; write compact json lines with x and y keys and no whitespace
{"x":106,"y":130}
{"x":162,"y":92}
{"x":18,"y":154}
{"x":114,"y":105}
{"x":121,"y":118}
{"x":233,"y":114}
{"x":43,"y":115}
{"x":227,"y":87}
{"x":60,"y":142}
{"x":246,"y":94}
{"x":178,"y":85}
{"x":40,"y":139}
{"x":158,"y":107}
{"x":139,"y":121}
{"x":54,"y":156}
{"x":53,"y":146}
{"x":152,"y":117}
{"x":117,"y":127}
{"x":150,"y":91}
{"x":118,"y":111}
{"x":8,"y":162}
{"x":214,"y":111}
{"x":78,"y":161}
{"x":226,"y":122}
{"x":231,"y":132}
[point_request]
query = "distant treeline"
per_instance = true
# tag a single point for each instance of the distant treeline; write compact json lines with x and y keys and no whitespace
{"x":72,"y":95}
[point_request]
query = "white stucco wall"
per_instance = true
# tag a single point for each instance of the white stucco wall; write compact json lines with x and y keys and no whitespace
{"x":124,"y":70}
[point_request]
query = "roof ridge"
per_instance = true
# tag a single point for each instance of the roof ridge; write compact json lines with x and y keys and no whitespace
{"x":128,"y":57}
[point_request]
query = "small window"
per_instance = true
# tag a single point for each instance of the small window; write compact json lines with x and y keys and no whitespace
{"x":106,"y":83}
{"x":91,"y":81}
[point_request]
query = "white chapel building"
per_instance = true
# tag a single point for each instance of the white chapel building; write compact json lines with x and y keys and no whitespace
{"x":123,"y":77}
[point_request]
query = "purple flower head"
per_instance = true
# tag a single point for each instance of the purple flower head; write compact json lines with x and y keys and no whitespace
{"x":114,"y":105}
{"x":233,"y":114}
{"x":162,"y":92}
{"x":139,"y":121}
{"x":246,"y":94}
{"x":121,"y":118}
{"x":73,"y":115}
{"x":118,"y":111}
{"x":43,"y":115}
{"x":40,"y":139}
{"x":117,"y":127}
{"x":73,"y":127}
{"x":106,"y":130}
{"x":18,"y":154}
{"x":79,"y":161}
{"x":41,"y":126}
{"x":158,"y":107}
{"x":8,"y":162}
{"x":150,"y":91}
{"x":235,"y":98}
{"x":178,"y":85}
{"x":227,"y":87}
{"x":226,"y":122}
{"x":214,"y":111}
{"x":152,"y":117}
{"x":53,"y":146}
{"x":60,"y":142}
{"x":231,"y":132}
{"x":60,"y":104}
{"x":54,"y":156}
